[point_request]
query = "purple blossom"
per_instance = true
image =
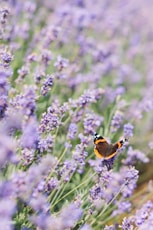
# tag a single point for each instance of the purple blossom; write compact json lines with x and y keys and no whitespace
{"x":45,"y":144}
{"x":4,"y":88}
{"x":66,"y":219}
{"x":67,"y":170}
{"x":25,"y":102}
{"x":6,"y":189}
{"x":91,"y":123}
{"x":7,"y":208}
{"x":39,"y":74}
{"x":70,"y":215}
{"x":90,"y":96}
{"x":50,"y":34}
{"x":108,"y":163}
{"x":27,"y":156}
{"x":72,"y":131}
{"x":133,"y":155}
{"x":47,"y":84}
{"x":111,"y":227}
{"x":114,"y":183}
{"x":61,"y":63}
{"x":122,"y":207}
{"x":12,"y":121}
{"x":128,"y":130}
{"x":29,"y":138}
{"x":85,"y":140}
{"x":3,"y":106}
{"x":7,"y":149}
{"x":32,"y":57}
{"x":147,"y":105}
{"x":46,"y":57}
{"x":43,"y":221}
{"x":26,"y":182}
{"x":79,"y":155}
{"x":4,"y":15}
{"x":96,"y":193}
{"x":52,"y":118}
{"x":130,"y":180}
{"x":127,"y":224}
{"x":39,"y":204}
{"x":6,"y":58}
{"x":23,"y":72}
{"x":52,"y":184}
{"x":143,"y":214}
{"x":116,"y":121}
{"x":148,"y":223}
{"x":49,"y":121}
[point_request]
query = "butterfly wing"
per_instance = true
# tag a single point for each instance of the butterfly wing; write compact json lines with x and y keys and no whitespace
{"x":101,"y":147}
{"x":114,"y":148}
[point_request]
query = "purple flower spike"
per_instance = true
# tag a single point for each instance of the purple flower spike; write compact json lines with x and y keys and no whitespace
{"x":70,"y":215}
{"x":61,"y":63}
{"x":116,"y":121}
{"x":128,"y":130}
{"x":7,"y":149}
{"x":72,"y":131}
{"x":48,"y":83}
{"x":29,"y":138}
{"x":127,"y":224}
{"x":91,"y":123}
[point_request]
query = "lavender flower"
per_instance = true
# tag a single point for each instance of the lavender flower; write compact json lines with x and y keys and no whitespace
{"x":111,"y":227}
{"x":61,"y":63}
{"x":143,"y":214}
{"x":134,"y":155}
{"x":116,"y":121}
{"x":52,"y":184}
{"x":108,"y":163}
{"x":7,"y":208}
{"x":65,"y":173}
{"x":46,"y":57}
{"x":45,"y":144}
{"x":3,"y":106}
{"x":27,"y":156}
{"x":25,"y":102}
{"x":90,"y":96}
{"x":79,"y":156}
{"x":122,"y":207}
{"x":6,"y":58}
{"x":70,"y":215}
{"x":7,"y":148}
{"x":72,"y":131}
{"x":48,"y":83}
{"x":128,"y":130}
{"x":49,"y":121}
{"x":29,"y":138}
{"x":23,"y":72}
{"x":127,"y":224}
{"x":39,"y":204}
{"x":91,"y":123}
{"x":4,"y":15}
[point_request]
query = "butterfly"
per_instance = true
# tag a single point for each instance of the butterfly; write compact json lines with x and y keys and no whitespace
{"x":105,"y":150}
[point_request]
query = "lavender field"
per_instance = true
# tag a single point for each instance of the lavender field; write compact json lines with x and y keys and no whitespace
{"x":70,"y":69}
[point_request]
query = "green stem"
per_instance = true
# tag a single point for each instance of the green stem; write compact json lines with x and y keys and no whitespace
{"x":108,"y":204}
{"x":50,"y":175}
{"x":67,"y":194}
